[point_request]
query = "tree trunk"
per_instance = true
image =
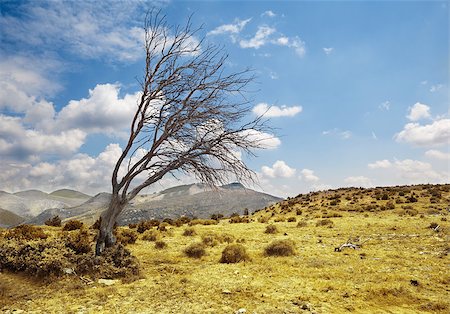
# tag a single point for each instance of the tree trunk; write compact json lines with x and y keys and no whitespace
{"x":106,"y":236}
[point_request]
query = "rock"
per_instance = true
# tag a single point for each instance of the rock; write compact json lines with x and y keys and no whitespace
{"x":68,"y":271}
{"x":107,"y":282}
{"x":226,"y":291}
{"x":241,"y":311}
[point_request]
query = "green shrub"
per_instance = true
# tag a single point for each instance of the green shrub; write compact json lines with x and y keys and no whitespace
{"x":195,"y":250}
{"x":72,"y":225}
{"x":234,"y":253}
{"x":280,"y":248}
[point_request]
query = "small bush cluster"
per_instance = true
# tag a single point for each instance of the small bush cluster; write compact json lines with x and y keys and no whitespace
{"x":73,"y":225}
{"x":291,"y":219}
{"x":263,"y":219}
{"x":239,"y":219}
{"x":159,"y":245}
{"x":271,"y":229}
{"x":151,"y":235}
{"x":189,"y":232}
{"x":234,"y":253}
{"x":26,"y":232}
{"x":205,"y":222}
{"x":302,"y":224}
{"x":55,"y":221}
{"x":79,"y":241}
{"x":147,"y":225}
{"x":195,"y":250}
{"x":127,"y":236}
{"x":325,"y":222}
{"x":280,"y":248}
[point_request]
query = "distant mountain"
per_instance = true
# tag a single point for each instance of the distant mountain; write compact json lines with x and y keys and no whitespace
{"x":189,"y":200}
{"x":9,"y":219}
{"x":32,"y":202}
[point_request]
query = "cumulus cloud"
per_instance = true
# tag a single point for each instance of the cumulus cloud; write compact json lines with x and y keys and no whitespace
{"x":269,"y":13}
{"x":265,"y":140}
{"x":380,"y":164}
{"x":328,"y":51}
{"x":278,"y":170}
{"x":233,"y":28}
{"x":437,"y":154}
{"x":308,"y":175}
{"x":418,"y":112}
{"x":260,"y":38}
{"x":358,"y":181}
{"x":434,"y":134}
{"x":275,"y":111}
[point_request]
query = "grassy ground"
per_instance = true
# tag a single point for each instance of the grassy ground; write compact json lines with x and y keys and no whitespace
{"x":402,"y":265}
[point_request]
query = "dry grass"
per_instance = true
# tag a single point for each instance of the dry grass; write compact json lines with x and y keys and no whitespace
{"x":396,"y":252}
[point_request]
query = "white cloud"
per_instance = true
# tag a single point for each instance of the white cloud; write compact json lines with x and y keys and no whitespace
{"x":282,"y":41}
{"x":434,"y":134}
{"x":380,"y":164}
{"x":279,"y":170}
{"x":328,"y":51}
{"x":103,"y":111}
{"x":269,"y":13}
{"x":275,"y":111}
{"x":264,"y":140}
{"x":436,"y":88}
{"x":343,"y":135}
{"x":436,"y":154}
{"x":385,"y":105}
{"x":358,"y":181}
{"x":234,"y":28}
{"x":260,"y":38}
{"x":308,"y":175}
{"x":419,"y":111}
{"x":89,"y":29}
{"x":374,"y":136}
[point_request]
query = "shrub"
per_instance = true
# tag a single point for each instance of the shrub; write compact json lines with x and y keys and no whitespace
{"x":234,"y":253}
{"x":280,"y":219}
{"x":204,"y":222}
{"x":151,"y":235}
{"x":96,"y":224}
{"x":302,"y":224}
{"x":210,"y":239}
{"x":299,"y":212}
{"x":292,"y":219}
{"x":216,"y":216}
{"x":72,"y":225}
{"x":145,"y":225}
{"x":238,"y":219}
{"x":163,"y":227}
{"x":127,"y":236}
{"x":189,"y":232}
{"x":79,"y":242}
{"x":271,"y":229}
{"x":280,"y":248}
{"x":263,"y":219}
{"x":26,"y":232}
{"x":325,"y":222}
{"x":228,"y":238}
{"x":160,"y":245}
{"x":55,"y":221}
{"x":195,"y":250}
{"x":132,"y":226}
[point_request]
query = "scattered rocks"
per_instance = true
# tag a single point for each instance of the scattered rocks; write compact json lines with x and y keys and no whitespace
{"x":241,"y":311}
{"x":108,"y":282}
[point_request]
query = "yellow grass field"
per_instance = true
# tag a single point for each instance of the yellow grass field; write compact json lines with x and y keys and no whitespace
{"x":400,"y":265}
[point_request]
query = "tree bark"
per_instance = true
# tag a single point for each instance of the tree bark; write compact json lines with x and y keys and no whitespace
{"x":106,"y":236}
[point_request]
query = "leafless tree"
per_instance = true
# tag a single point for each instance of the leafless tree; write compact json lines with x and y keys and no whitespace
{"x":191,"y":117}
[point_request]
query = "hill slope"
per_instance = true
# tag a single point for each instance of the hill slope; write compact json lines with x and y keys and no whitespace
{"x":8,"y":219}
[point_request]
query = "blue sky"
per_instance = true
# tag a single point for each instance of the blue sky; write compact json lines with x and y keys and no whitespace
{"x":358,"y":91}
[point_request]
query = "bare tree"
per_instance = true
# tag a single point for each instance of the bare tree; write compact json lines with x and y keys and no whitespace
{"x":191,"y":117}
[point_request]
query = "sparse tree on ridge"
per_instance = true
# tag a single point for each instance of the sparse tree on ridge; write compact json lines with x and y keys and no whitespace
{"x":190,"y":118}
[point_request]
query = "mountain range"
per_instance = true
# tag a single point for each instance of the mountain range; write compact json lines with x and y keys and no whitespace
{"x":193,"y":200}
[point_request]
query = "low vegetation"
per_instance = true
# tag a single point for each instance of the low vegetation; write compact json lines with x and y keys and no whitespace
{"x":386,"y":261}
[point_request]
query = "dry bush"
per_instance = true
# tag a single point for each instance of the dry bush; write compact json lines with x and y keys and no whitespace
{"x":280,"y":248}
{"x":228,"y":238}
{"x":325,"y":222}
{"x":189,"y":232}
{"x":195,"y":250}
{"x":132,"y":226}
{"x":79,"y":241}
{"x":151,"y":235}
{"x":280,"y":219}
{"x":160,"y":245}
{"x":234,"y":253}
{"x":239,"y":219}
{"x":205,"y":222}
{"x":302,"y":224}
{"x":147,"y":225}
{"x":55,"y":221}
{"x":96,"y":225}
{"x":331,"y":215}
{"x":211,"y":239}
{"x":163,"y":227}
{"x":263,"y":219}
{"x":271,"y":229}
{"x":72,"y":225}
{"x":291,"y":219}
{"x":127,"y":236}
{"x":26,"y":232}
